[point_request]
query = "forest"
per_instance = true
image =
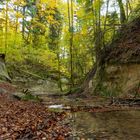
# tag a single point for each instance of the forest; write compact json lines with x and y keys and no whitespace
{"x":69,"y":69}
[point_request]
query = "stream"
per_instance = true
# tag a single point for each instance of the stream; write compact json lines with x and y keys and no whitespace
{"x":120,"y":125}
{"x":115,"y":125}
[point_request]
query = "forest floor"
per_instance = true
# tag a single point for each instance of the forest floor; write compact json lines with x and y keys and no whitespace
{"x":22,"y":120}
{"x":35,"y":120}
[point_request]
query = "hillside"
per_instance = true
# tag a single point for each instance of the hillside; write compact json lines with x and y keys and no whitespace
{"x":122,"y":62}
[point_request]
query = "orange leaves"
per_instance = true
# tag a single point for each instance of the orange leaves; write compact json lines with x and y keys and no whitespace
{"x":28,"y":120}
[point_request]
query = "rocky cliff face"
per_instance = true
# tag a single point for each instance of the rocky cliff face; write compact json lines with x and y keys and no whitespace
{"x":122,"y":79}
{"x":122,"y":64}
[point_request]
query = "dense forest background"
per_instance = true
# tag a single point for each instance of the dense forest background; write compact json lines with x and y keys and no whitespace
{"x":60,"y":39}
{"x":69,"y":69}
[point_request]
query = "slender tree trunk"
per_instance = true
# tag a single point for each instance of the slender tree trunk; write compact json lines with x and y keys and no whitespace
{"x":59,"y":72}
{"x":128,"y":8}
{"x":122,"y":12}
{"x":6,"y":27}
{"x":98,"y":40}
{"x":129,"y":5}
{"x":70,"y":19}
{"x":107,"y":5}
{"x":16,"y":28}
{"x":23,"y":22}
{"x":71,"y":45}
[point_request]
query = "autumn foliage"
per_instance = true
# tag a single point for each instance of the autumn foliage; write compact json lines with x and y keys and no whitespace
{"x":28,"y":120}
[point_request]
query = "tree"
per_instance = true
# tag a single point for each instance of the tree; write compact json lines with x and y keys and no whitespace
{"x":70,"y":19}
{"x":122,"y":12}
{"x":6,"y":25}
{"x":55,"y":29}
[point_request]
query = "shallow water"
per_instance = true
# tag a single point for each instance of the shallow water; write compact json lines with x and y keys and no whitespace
{"x":119,"y":125}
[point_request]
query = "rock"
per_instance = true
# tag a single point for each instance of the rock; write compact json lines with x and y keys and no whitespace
{"x":121,"y":80}
{"x":40,"y":81}
{"x":18,"y":94}
{"x":3,"y":72}
{"x":56,"y":106}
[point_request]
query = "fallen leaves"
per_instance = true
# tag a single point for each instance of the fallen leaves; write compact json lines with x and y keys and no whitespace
{"x":27,"y":120}
{"x":7,"y":87}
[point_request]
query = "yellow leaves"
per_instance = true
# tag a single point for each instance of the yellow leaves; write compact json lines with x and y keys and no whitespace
{"x":49,"y":58}
{"x":12,"y":57}
{"x":134,"y":4}
{"x":2,"y":19}
{"x":80,"y":13}
{"x":64,"y":70}
{"x":50,"y":11}
{"x":20,"y":2}
{"x":43,"y":1}
{"x":18,"y":15}
{"x":50,"y":19}
{"x":37,"y":24}
{"x":52,"y":3}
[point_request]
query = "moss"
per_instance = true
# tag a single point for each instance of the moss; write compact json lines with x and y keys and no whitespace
{"x":31,"y":97}
{"x":107,"y":91}
{"x":75,"y":90}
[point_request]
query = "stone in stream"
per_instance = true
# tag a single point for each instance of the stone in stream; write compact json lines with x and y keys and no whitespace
{"x":56,"y":106}
{"x":59,"y":107}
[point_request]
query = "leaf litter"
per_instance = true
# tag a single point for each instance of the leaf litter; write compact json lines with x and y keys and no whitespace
{"x":27,"y":120}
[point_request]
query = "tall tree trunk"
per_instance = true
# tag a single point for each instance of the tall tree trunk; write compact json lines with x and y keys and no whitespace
{"x":97,"y":44}
{"x":122,"y":12}
{"x":128,"y":8}
{"x":71,"y":45}
{"x":16,"y":26}
{"x":107,"y":6}
{"x":6,"y":27}
{"x":70,"y":19}
{"x":23,"y":22}
{"x":59,"y":71}
{"x":97,"y":32}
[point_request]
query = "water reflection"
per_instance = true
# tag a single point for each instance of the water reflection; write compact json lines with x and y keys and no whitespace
{"x":121,"y":125}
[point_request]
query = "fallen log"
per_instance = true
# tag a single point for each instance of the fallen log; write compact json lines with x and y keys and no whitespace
{"x":125,"y":101}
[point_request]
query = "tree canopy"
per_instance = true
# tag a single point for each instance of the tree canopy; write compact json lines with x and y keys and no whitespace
{"x":65,"y":36}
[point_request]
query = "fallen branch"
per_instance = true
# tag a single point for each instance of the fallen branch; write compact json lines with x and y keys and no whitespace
{"x":29,"y":73}
{"x":128,"y":101}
